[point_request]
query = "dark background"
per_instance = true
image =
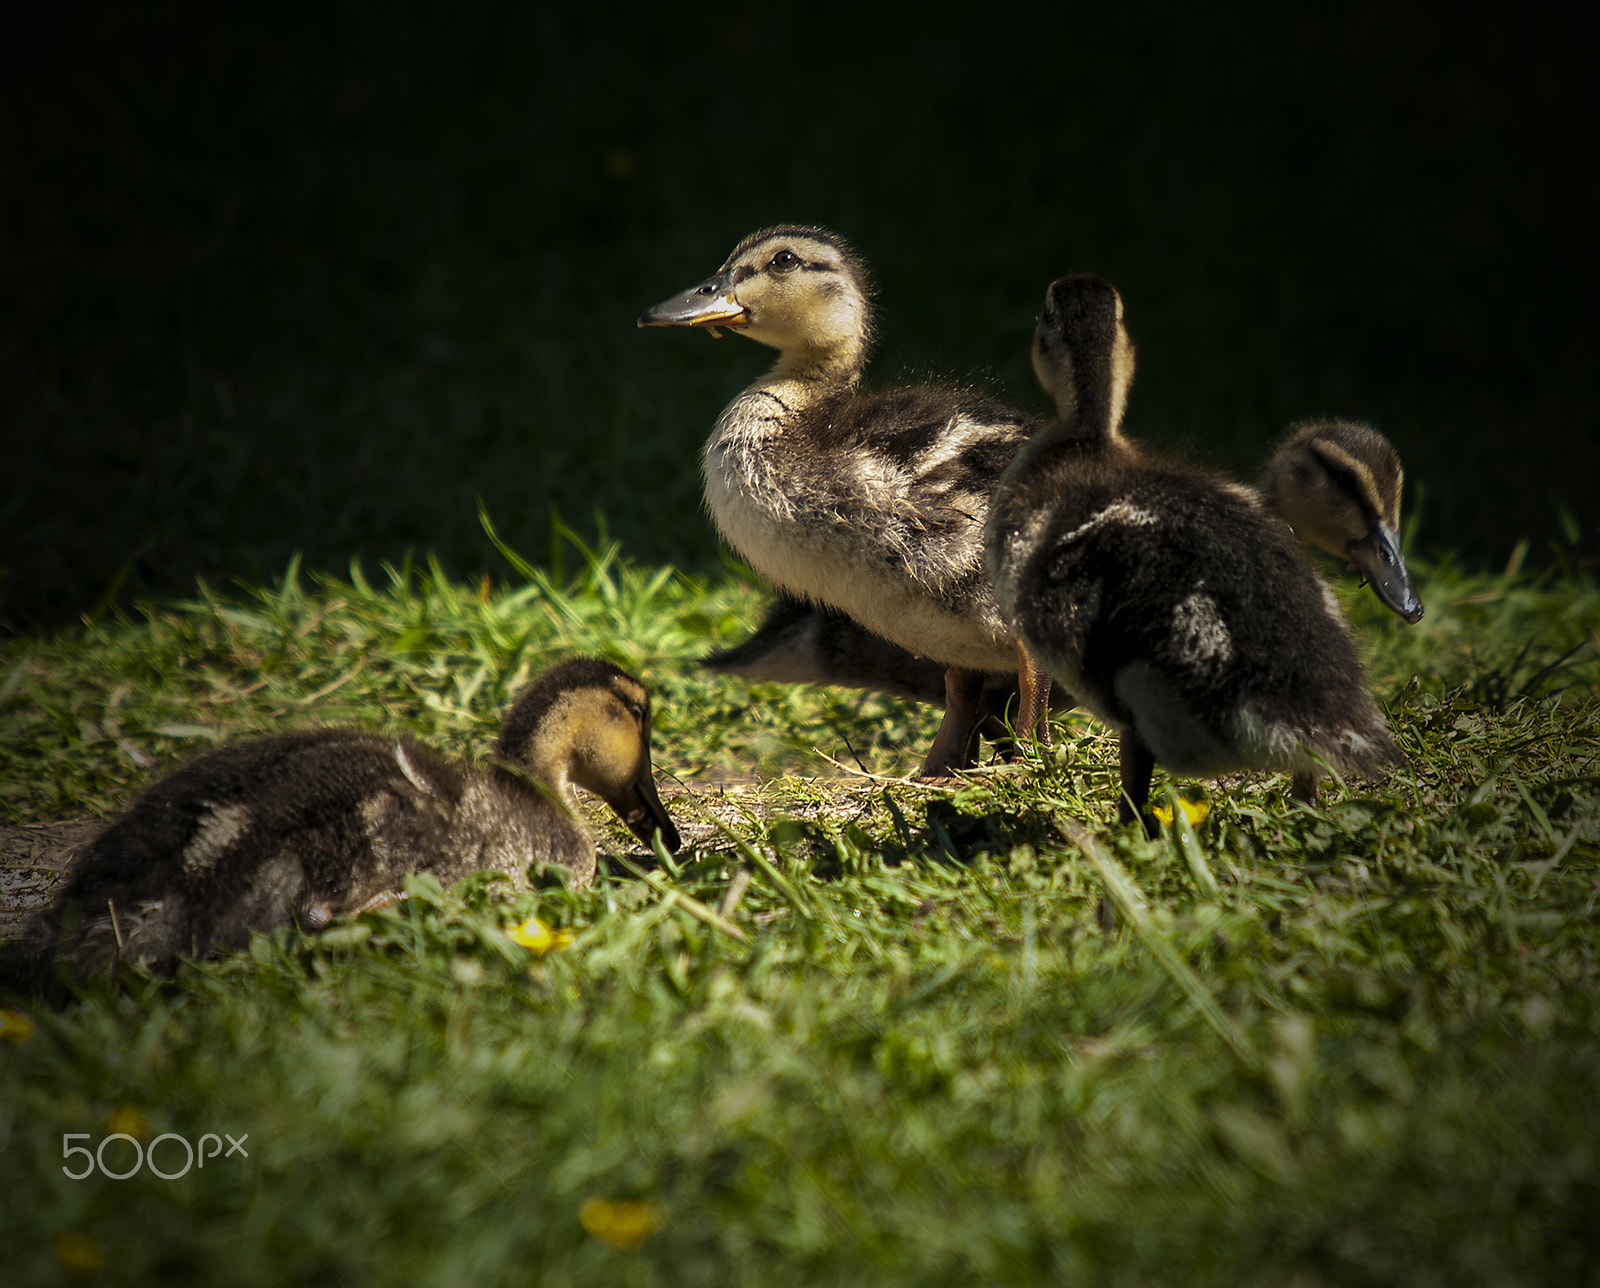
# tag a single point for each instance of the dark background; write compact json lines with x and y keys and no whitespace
{"x":315,"y":277}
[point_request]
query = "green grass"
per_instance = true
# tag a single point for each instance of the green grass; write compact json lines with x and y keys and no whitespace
{"x":962,"y":1040}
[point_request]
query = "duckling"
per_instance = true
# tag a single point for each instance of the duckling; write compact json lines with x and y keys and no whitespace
{"x":1337,"y":484}
{"x":871,"y":504}
{"x":308,"y":826}
{"x":1168,"y":600}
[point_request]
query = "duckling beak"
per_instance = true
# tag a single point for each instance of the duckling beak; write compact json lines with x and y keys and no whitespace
{"x":1377,"y":557}
{"x":641,"y":809}
{"x":711,"y":304}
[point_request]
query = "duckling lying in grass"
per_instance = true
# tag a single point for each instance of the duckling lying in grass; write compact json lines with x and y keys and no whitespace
{"x":308,"y":826}
{"x":1169,"y":601}
{"x":869,"y":503}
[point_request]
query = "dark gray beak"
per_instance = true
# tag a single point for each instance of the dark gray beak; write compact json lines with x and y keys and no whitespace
{"x":711,"y":304}
{"x":641,"y":809}
{"x":1377,"y":557}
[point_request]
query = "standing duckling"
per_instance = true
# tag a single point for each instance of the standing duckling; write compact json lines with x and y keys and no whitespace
{"x":308,"y":826}
{"x":869,"y":503}
{"x":1167,"y":600}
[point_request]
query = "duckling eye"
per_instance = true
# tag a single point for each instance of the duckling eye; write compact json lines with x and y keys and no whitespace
{"x":784,"y":261}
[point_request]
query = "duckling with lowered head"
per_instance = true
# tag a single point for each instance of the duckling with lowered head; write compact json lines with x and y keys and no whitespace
{"x":1337,"y":484}
{"x":307,"y":826}
{"x":872,"y":504}
{"x":1168,"y":600}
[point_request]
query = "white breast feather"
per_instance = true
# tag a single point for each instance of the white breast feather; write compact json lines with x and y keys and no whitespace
{"x":1330,"y":601}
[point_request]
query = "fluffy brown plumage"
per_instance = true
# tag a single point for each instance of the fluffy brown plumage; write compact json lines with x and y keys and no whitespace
{"x":1168,"y":600}
{"x":871,"y":504}
{"x":304,"y":827}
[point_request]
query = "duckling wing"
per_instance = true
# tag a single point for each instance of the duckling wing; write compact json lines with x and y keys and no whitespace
{"x":912,"y":471}
{"x":874,"y":505}
{"x":390,"y":814}
{"x":928,"y":456}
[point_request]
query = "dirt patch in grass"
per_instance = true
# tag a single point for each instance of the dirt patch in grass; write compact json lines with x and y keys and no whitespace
{"x":34,"y":861}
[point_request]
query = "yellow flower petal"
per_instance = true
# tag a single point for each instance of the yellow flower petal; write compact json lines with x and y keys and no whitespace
{"x":534,"y":935}
{"x":128,"y":1121}
{"x":1194,"y":811}
{"x":77,"y":1251}
{"x":14,"y":1026}
{"x":623,"y":1223}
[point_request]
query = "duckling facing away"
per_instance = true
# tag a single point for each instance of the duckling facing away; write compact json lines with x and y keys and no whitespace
{"x":308,"y":826}
{"x":871,"y":504}
{"x":1168,"y":600}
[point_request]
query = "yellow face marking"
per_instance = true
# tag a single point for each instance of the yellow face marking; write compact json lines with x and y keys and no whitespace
{"x":595,"y":740}
{"x":615,"y":751}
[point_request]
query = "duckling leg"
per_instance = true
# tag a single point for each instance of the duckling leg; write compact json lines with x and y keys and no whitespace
{"x":1303,"y":787}
{"x":991,"y":722}
{"x":1033,"y":690}
{"x":1137,"y":767}
{"x":953,"y":745}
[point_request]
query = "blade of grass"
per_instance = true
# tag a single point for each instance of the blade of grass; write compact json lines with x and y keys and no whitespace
{"x":1130,"y":902}
{"x":671,"y":894}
